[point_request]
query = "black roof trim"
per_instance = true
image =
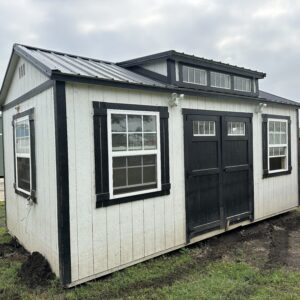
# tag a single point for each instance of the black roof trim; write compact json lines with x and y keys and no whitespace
{"x":192,"y":59}
{"x":166,"y":89}
{"x":276,"y":99}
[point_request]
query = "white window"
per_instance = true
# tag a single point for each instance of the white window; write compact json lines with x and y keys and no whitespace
{"x":236,"y":128}
{"x":277,"y":145}
{"x":220,"y":80}
{"x":194,"y":75}
{"x":242,"y":84}
{"x":204,"y":128}
{"x":22,"y":155}
{"x":134,"y":152}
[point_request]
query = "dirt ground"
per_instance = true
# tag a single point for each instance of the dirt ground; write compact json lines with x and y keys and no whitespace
{"x":268,"y":244}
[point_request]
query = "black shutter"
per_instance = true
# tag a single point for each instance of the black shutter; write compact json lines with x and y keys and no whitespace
{"x":289,"y":145}
{"x":265,"y":118}
{"x":101,"y":152}
{"x":32,"y":157}
{"x":265,"y":144}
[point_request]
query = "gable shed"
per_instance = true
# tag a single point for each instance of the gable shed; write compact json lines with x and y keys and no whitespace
{"x":110,"y":164}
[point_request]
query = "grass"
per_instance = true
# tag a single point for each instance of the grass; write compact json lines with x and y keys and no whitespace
{"x":175,"y":276}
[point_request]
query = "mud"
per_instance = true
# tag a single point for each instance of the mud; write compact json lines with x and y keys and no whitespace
{"x":13,"y":250}
{"x":35,"y":271}
{"x":273,"y":243}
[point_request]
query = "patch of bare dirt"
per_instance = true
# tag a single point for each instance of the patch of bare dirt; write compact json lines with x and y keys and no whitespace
{"x":13,"y":250}
{"x":36,"y":271}
{"x":267,"y":244}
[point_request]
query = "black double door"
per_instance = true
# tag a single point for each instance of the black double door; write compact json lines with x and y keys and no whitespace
{"x":218,"y":165}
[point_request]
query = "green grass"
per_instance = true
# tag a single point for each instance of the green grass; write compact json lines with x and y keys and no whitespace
{"x":180,"y":275}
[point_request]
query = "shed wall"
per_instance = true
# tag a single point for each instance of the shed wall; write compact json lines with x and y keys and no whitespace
{"x":34,"y":226}
{"x":159,"y":67}
{"x":104,"y":239}
{"x":19,"y":86}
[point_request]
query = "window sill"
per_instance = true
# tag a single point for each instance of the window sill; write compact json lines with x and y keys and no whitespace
{"x":26,"y":196}
{"x":274,"y":174}
{"x":102,"y":200}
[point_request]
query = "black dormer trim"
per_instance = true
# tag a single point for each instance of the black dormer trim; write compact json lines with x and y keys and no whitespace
{"x":208,"y":87}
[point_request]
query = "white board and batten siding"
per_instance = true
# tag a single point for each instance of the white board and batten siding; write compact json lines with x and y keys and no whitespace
{"x":34,"y":226}
{"x":19,"y":86}
{"x":109,"y":238}
{"x":159,"y":67}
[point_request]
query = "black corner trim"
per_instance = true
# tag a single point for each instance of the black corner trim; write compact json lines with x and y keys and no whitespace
{"x":298,"y":155}
{"x":101,"y":152}
{"x":266,"y":173}
{"x":171,"y":70}
{"x":34,"y":92}
{"x":30,"y":113}
{"x":62,"y":177}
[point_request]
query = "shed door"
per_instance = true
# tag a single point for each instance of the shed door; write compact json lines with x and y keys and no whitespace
{"x":218,"y":162}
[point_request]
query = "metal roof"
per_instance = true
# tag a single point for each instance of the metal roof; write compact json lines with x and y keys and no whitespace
{"x":69,"y":67}
{"x":83,"y":66}
{"x":276,"y":99}
{"x":192,"y":58}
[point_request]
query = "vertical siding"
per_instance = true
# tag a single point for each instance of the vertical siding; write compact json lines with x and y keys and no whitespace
{"x":36,"y":226}
{"x":106,"y":238}
{"x":19,"y":86}
{"x":159,"y":67}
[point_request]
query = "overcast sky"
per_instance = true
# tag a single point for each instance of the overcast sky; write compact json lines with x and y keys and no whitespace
{"x":261,"y":35}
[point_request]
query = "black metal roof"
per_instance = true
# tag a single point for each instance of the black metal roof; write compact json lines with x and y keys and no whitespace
{"x":172,"y":54}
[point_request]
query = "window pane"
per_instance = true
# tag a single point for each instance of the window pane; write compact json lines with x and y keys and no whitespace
{"x":195,"y":127}
{"x":184,"y":73}
{"x":283,"y":138}
{"x":197,"y":76}
{"x":118,"y":123}
{"x":119,"y":142}
{"x":149,"y":123}
{"x":119,"y":162}
{"x":119,"y":177}
{"x":277,"y":163}
{"x":134,"y":161}
{"x":277,"y":138}
{"x":22,"y":137}
{"x":236,"y":128}
{"x":271,"y":126}
{"x":134,"y":123}
{"x":283,"y":127}
{"x":134,"y":176}
{"x":149,"y":174}
{"x":149,"y":160}
{"x":271,"y":138}
{"x":139,"y":173}
{"x":135,"y":141}
{"x":150,"y":141}
{"x":277,"y":126}
{"x":191,"y":75}
{"x":23,"y":173}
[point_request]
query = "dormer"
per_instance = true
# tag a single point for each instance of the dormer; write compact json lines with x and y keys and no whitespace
{"x":191,"y":72}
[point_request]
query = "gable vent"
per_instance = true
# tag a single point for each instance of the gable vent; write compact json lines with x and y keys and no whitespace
{"x":22,"y":71}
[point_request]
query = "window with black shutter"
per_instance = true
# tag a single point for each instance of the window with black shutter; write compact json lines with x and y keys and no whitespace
{"x":131,"y":152}
{"x":276,"y":133}
{"x":24,"y":154}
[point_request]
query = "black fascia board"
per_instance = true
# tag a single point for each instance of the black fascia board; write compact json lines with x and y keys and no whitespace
{"x":164,"y":89}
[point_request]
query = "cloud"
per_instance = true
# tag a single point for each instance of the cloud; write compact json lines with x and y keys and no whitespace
{"x":256,"y":34}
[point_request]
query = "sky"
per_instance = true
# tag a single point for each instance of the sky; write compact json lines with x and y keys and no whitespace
{"x":260,"y":35}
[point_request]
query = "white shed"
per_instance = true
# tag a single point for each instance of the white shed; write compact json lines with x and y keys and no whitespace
{"x":108,"y":165}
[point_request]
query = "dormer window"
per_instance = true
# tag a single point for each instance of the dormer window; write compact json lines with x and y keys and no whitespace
{"x":242,"y":84}
{"x":194,"y":75}
{"x":220,"y":80}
